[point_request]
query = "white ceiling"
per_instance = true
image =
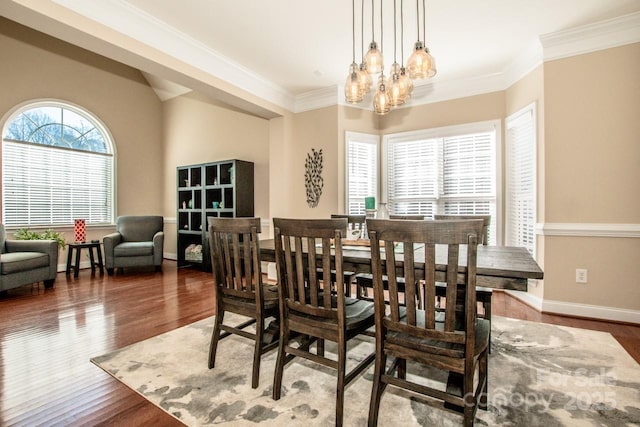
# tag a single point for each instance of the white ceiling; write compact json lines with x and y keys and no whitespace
{"x":283,"y":50}
{"x":302,"y":45}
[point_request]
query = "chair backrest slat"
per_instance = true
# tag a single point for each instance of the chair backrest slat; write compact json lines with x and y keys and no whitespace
{"x":316,"y":245}
{"x":235,"y":256}
{"x":433,"y":238}
{"x":408,"y":217}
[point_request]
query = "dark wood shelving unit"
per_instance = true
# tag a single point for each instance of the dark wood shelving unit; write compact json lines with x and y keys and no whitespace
{"x":216,"y":189}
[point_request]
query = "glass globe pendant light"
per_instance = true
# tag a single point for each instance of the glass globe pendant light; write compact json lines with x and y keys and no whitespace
{"x":373,"y":58}
{"x":420,"y":64}
{"x":381,"y":104}
{"x":352,"y":92}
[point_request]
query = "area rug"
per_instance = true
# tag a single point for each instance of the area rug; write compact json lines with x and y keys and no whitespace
{"x":539,"y":375}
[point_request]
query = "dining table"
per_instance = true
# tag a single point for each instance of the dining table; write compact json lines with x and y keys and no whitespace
{"x":498,"y":267}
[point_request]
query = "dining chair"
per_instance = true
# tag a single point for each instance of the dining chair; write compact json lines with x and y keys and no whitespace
{"x":456,"y":342}
{"x":237,"y":276}
{"x":301,"y":247}
{"x":484,"y":295}
{"x":355,"y":223}
{"x":364,"y":281}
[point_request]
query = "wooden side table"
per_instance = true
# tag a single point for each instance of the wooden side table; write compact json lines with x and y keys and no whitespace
{"x":78,"y":248}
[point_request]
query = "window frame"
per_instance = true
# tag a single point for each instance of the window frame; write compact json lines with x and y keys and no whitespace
{"x":510,"y":121}
{"x":99,"y":125}
{"x":364,"y":138}
{"x":444,"y":132}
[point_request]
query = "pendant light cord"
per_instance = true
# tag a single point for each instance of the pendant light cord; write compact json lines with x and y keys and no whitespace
{"x":353,"y":27}
{"x":401,"y":33}
{"x":418,"y":17}
{"x":362,"y":29}
{"x":395,"y":31}
{"x":373,"y":32}
{"x":424,"y":22}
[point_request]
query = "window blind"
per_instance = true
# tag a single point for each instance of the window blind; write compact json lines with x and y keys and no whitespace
{"x":46,"y":185}
{"x":362,"y":170}
{"x":448,"y":170}
{"x":520,"y":179}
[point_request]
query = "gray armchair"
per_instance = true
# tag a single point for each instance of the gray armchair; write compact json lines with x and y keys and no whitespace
{"x":23,"y":262}
{"x":138,"y":241}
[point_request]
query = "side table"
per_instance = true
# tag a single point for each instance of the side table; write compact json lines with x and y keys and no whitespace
{"x":78,"y":246}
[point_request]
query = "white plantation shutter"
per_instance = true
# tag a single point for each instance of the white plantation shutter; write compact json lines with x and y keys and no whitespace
{"x":412,"y":176}
{"x":469,"y":176}
{"x":45,"y":185}
{"x":521,"y":179}
{"x":362,"y":170}
{"x":448,"y":170}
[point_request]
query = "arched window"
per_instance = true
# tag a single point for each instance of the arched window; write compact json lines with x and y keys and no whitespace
{"x":57,"y":165}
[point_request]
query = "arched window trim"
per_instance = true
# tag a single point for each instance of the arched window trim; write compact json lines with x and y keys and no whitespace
{"x":10,"y":115}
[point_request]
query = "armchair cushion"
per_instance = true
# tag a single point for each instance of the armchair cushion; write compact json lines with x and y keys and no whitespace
{"x":27,"y":261}
{"x":18,"y":262}
{"x":138,"y":241}
{"x":133,"y":249}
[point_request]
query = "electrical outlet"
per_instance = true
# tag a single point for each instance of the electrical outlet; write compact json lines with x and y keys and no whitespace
{"x":581,"y":275}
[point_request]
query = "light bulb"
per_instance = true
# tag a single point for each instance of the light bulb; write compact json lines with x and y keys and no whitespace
{"x":373,"y":59}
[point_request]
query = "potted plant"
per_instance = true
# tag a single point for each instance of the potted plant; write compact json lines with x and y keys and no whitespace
{"x":26,"y":234}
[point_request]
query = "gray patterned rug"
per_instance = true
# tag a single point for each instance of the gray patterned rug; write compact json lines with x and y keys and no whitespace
{"x":539,"y":375}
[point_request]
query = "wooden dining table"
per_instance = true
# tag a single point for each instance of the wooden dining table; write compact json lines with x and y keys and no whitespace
{"x":498,"y":267}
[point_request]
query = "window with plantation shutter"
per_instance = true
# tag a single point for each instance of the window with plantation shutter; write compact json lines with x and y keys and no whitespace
{"x":448,"y":170}
{"x":57,"y":165}
{"x":520,"y":179}
{"x":361,"y":170}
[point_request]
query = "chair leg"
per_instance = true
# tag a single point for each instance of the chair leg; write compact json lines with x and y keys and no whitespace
{"x":342,"y":367}
{"x":402,"y":369}
{"x":257,"y":353}
{"x":376,"y":391}
{"x":215,"y":337}
{"x":487,"y":315}
{"x":280,"y":361}
{"x":484,"y":374}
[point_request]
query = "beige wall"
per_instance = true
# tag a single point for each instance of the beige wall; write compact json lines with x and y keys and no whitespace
{"x":317,"y":129}
{"x":592,"y":174}
{"x":199,"y":130}
{"x":36,"y":67}
{"x":489,"y":106}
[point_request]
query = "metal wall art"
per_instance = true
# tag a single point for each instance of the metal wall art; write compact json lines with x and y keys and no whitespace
{"x":313,"y":177}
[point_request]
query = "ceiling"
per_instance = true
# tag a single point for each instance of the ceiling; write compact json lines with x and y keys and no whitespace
{"x":287,"y":49}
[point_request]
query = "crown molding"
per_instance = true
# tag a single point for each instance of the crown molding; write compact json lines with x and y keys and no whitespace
{"x":125,"y":18}
{"x":591,"y":38}
{"x":139,"y":25}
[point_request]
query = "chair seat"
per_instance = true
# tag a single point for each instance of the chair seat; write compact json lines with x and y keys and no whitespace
{"x":133,"y":249}
{"x":483,"y":327}
{"x":269,"y":292}
{"x":17,"y":262}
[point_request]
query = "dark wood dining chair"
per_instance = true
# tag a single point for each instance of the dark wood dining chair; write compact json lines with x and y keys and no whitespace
{"x":457,"y":343}
{"x":484,"y":295}
{"x":237,"y":275}
{"x":307,"y":308}
{"x":354,"y":223}
{"x":364,"y":281}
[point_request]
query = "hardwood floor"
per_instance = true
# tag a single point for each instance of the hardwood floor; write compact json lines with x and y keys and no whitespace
{"x":48,"y":336}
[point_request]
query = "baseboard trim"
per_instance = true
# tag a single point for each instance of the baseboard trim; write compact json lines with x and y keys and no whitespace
{"x":527,"y":298}
{"x":591,"y":311}
{"x":170,"y":256}
{"x":586,"y":311}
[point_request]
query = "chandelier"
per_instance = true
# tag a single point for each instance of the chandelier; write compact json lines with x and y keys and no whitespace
{"x":398,"y":87}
